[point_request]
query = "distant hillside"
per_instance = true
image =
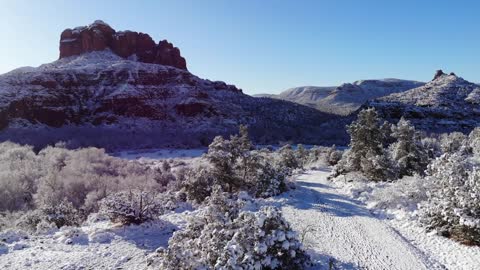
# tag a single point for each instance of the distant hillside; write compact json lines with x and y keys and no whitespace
{"x":447,"y":103}
{"x":346,"y":98}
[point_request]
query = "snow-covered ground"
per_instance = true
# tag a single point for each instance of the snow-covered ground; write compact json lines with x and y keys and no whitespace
{"x":160,"y":153}
{"x":338,"y":230}
{"x":342,"y":230}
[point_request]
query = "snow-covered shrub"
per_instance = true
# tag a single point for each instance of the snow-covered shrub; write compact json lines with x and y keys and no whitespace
{"x":378,"y":167}
{"x":46,"y":227}
{"x":226,"y":237}
{"x":453,"y":205}
{"x":224,"y":157}
{"x":29,"y":220}
{"x":198,"y":183}
{"x":62,"y":214}
{"x":474,"y":141}
{"x":172,"y":201}
{"x":270,"y":180}
{"x":405,"y":193}
{"x":166,"y":166}
{"x":288,"y":158}
{"x":333,"y":155}
{"x":407,"y":151}
{"x":86,"y":176}
{"x":302,"y":155}
{"x":263,"y":240}
{"x":48,"y":217}
{"x":130,"y":207}
{"x":366,"y":153}
{"x":236,"y":167}
{"x":431,"y":146}
{"x":19,"y":169}
{"x":9,"y":219}
{"x":453,"y":142}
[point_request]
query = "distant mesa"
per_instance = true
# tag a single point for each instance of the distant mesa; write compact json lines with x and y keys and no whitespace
{"x":99,"y":36}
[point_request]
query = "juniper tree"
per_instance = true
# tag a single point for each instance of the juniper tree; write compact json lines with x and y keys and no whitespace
{"x":407,"y":151}
{"x":366,"y":153}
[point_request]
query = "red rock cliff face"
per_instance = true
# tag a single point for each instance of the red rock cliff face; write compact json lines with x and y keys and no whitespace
{"x":100,"y":36}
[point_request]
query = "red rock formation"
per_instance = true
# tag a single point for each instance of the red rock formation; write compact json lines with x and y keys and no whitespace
{"x":100,"y":36}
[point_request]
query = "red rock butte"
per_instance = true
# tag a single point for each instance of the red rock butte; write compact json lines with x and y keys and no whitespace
{"x":100,"y":36}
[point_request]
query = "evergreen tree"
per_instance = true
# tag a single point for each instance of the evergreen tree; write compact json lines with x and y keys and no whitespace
{"x":407,"y":151}
{"x":366,"y":153}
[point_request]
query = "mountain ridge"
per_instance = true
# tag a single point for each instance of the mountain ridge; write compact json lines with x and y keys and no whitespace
{"x":346,"y":98}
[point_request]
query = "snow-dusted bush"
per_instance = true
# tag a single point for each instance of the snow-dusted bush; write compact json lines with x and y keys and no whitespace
{"x":453,"y":142}
{"x":288,"y":158}
{"x":226,"y":156}
{"x":474,"y":141}
{"x":302,"y":155}
{"x":59,"y":215}
{"x":431,"y":146}
{"x":453,"y":205}
{"x":198,"y":183}
{"x":236,"y":167}
{"x":225,"y":236}
{"x":62,"y":214}
{"x":84,"y":177}
{"x":333,"y":156}
{"x":131,"y":207}
{"x":407,"y":151}
{"x":366,"y":153}
{"x":270,"y":180}
{"x":19,"y":169}
{"x":405,"y":193}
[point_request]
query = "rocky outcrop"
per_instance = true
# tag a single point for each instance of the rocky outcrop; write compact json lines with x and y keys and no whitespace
{"x":439,"y":73}
{"x":127,"y":44}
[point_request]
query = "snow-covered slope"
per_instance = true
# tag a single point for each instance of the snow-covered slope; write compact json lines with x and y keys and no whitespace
{"x":447,"y":103}
{"x":346,"y":98}
{"x":101,"y":98}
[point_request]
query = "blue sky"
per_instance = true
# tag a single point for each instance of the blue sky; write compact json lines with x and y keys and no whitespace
{"x":268,"y":45}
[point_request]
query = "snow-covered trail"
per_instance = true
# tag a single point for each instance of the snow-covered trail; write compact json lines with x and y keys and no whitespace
{"x":339,"y":228}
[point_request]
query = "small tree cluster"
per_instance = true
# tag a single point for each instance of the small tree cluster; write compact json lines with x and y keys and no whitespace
{"x":226,"y":237}
{"x":453,"y":204}
{"x":384,"y":151}
{"x":236,"y":167}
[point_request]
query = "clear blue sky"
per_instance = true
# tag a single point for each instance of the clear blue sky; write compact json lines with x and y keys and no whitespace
{"x":268,"y":45}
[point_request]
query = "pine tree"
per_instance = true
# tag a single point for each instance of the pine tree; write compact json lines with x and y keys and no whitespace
{"x":407,"y":151}
{"x":366,"y":153}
